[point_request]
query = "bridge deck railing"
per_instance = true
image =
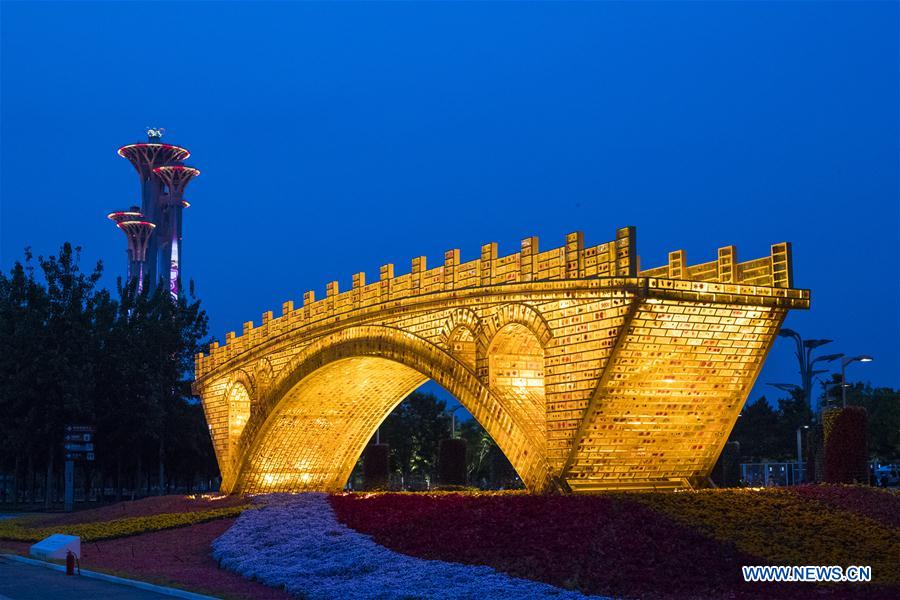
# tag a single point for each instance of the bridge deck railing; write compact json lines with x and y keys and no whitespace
{"x":616,"y":258}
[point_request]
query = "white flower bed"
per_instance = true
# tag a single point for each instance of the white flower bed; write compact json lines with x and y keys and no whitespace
{"x":296,"y":542}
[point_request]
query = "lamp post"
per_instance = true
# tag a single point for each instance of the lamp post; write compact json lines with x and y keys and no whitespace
{"x":800,"y":468}
{"x":453,"y":422}
{"x":807,"y":362}
{"x":844,"y":363}
{"x":827,"y":385}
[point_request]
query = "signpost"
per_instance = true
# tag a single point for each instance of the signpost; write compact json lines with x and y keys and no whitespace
{"x":79,"y":445}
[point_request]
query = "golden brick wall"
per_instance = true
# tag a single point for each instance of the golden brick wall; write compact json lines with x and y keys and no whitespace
{"x":584,"y":370}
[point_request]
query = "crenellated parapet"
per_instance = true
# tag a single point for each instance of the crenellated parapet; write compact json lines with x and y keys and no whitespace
{"x":610,"y":264}
{"x":770,"y":271}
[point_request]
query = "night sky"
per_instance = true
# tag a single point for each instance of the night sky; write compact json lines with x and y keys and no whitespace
{"x":333,"y":138}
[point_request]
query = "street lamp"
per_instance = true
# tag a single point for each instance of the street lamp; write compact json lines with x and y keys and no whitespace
{"x":453,"y":421}
{"x":827,"y":386}
{"x":807,"y":362}
{"x":844,"y":363}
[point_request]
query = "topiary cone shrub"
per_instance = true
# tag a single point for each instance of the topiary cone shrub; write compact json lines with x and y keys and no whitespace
{"x":376,"y":467}
{"x":452,"y":462}
{"x":846,"y":449}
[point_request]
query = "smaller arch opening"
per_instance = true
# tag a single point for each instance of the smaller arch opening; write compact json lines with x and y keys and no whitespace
{"x":462,"y":345}
{"x":516,"y":370}
{"x":238,"y":413}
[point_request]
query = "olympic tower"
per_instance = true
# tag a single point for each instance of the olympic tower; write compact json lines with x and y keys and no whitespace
{"x":154,"y":229}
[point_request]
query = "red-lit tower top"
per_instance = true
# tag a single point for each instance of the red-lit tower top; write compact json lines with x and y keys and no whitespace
{"x":147,"y":156}
{"x":120,"y":216}
{"x":137,"y":231}
{"x":176,"y":178}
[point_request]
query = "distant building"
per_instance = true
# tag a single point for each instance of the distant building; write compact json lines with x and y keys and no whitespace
{"x":153,"y":230}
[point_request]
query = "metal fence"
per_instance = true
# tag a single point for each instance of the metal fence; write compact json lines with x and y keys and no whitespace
{"x":772,"y":474}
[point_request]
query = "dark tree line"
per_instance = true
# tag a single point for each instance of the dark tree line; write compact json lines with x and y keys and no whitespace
{"x":768,"y":433}
{"x":72,"y":353}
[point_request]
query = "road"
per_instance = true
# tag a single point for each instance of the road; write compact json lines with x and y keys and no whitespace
{"x":20,"y":581}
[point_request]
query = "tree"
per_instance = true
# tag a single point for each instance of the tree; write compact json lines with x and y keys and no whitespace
{"x":70,"y":353}
{"x":64,"y":377}
{"x":488,"y":467}
{"x":24,"y":306}
{"x":758,"y":433}
{"x":413,"y":431}
{"x":883,"y":408}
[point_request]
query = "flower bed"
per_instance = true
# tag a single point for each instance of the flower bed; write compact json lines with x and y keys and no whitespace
{"x":176,"y":557}
{"x":782,"y":526}
{"x":145,"y":507}
{"x":875,"y":503}
{"x":295,"y":542}
{"x":656,"y":545}
{"x":27,"y":529}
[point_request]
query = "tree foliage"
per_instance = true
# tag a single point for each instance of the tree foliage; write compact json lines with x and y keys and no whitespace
{"x":883,"y":408}
{"x":70,"y":353}
{"x":414,"y":429}
{"x":769,"y":434}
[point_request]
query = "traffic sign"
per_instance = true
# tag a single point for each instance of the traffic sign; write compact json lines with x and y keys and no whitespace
{"x":88,"y":456}
{"x":79,"y":447}
{"x":79,"y":442}
{"x":80,"y":429}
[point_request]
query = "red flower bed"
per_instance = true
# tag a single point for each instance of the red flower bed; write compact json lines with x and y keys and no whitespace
{"x":598,"y":544}
{"x":174,"y":557}
{"x":880,"y":505}
{"x":145,"y":507}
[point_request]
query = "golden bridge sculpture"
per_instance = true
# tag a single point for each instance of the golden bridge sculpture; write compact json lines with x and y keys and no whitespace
{"x":587,"y":371}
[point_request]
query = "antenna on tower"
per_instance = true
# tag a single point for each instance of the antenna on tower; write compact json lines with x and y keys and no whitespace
{"x":155,"y":133}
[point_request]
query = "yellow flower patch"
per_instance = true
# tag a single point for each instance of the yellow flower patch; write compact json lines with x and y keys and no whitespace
{"x":19,"y":529}
{"x":781,"y":527}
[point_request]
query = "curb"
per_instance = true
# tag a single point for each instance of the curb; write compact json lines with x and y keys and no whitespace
{"x":166,"y":591}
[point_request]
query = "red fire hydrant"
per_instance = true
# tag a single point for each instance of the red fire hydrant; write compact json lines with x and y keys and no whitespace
{"x":70,"y":563}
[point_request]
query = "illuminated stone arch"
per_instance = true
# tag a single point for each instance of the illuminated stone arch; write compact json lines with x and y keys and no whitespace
{"x":340,"y":389}
{"x":239,"y":398}
{"x":511,"y":361}
{"x":459,"y":334}
{"x":599,"y":321}
{"x":516,"y":313}
{"x":265,"y":376}
{"x":508,"y":313}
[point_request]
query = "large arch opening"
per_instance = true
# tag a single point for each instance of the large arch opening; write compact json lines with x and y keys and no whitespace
{"x":331,"y":399}
{"x":322,"y":424}
{"x":412,"y":450}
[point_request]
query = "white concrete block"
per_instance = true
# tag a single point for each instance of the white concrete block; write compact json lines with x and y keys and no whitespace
{"x":56,"y":547}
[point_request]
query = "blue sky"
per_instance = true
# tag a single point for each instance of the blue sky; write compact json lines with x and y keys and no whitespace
{"x":335,"y":137}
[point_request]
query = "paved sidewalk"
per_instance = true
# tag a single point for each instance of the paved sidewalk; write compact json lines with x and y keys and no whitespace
{"x":30,"y":582}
